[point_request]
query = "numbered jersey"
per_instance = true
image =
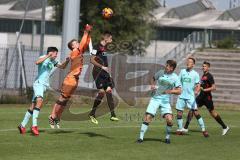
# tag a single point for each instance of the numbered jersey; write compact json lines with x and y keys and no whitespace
{"x":189,"y":80}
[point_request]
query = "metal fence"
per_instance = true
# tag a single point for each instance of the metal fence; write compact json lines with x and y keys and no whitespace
{"x":131,"y":73}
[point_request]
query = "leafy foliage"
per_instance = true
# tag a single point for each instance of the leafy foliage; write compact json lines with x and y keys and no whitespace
{"x":226,"y":43}
{"x":132,"y":24}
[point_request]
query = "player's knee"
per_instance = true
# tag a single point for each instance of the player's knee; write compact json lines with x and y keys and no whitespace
{"x":109,"y":90}
{"x":148,"y":117}
{"x":196,"y":113}
{"x":39,"y":101}
{"x":198,"y":116}
{"x":168,"y":117}
{"x":170,"y":123}
{"x":62,"y":102}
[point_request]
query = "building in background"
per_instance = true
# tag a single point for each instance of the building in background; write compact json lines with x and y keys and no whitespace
{"x":11,"y":16}
{"x":234,"y":3}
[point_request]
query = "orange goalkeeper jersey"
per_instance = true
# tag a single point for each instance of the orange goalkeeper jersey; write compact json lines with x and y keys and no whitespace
{"x":76,"y":56}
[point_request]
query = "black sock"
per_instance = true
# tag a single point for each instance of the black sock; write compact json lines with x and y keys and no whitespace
{"x":189,"y":118}
{"x":219,"y":120}
{"x":96,"y":103}
{"x":110,"y":103}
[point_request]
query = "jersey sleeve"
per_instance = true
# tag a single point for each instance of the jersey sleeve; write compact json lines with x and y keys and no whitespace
{"x":157,"y":75}
{"x":45,"y":62}
{"x":211,"y":79}
{"x":180,"y":76}
{"x":84,"y":42}
{"x":197,"y":78}
{"x":177,"y":83}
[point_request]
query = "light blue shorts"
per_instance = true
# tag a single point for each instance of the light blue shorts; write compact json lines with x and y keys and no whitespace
{"x":38,"y":90}
{"x":161,"y":104}
{"x":189,"y":103}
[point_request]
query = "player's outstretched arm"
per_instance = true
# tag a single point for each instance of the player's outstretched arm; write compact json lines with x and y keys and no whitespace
{"x":42,"y":59}
{"x":64,"y":64}
{"x":85,"y":39}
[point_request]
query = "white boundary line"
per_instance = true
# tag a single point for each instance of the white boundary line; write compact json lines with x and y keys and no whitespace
{"x":111,"y":127}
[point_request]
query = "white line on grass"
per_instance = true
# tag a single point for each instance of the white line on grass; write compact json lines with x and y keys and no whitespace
{"x":110,"y":127}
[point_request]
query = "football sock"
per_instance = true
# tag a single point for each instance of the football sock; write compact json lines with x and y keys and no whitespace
{"x":168,"y":130}
{"x":144,"y":128}
{"x":180,"y":123}
{"x":96,"y":103}
{"x":110,"y":103}
{"x":35,"y":116}
{"x":201,"y":122}
{"x":189,"y":118}
{"x":26,"y":117}
{"x":219,"y":120}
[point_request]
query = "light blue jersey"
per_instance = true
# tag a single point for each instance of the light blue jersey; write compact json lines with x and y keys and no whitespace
{"x":159,"y":99}
{"x":44,"y":71}
{"x":42,"y":80}
{"x":165,"y":82}
{"x":189,"y":80}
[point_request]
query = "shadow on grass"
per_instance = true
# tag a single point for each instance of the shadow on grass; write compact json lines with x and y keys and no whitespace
{"x":92,"y":134}
{"x":195,"y":130}
{"x":60,"y":131}
{"x":154,"y":140}
{"x":40,"y":131}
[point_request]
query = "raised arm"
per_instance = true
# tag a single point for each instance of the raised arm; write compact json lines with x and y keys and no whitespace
{"x":85,"y":39}
{"x":42,"y":59}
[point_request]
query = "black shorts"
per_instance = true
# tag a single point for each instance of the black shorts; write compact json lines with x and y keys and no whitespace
{"x":206,"y":101}
{"x":104,"y":83}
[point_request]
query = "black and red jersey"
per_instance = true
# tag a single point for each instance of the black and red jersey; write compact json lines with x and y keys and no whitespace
{"x":101,"y":58}
{"x":207,"y":81}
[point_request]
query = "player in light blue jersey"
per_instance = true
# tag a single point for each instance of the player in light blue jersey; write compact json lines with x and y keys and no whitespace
{"x":190,"y":82}
{"x":163,"y":84}
{"x":46,"y":64}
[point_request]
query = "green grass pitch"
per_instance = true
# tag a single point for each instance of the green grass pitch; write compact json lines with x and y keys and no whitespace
{"x":115,"y":140}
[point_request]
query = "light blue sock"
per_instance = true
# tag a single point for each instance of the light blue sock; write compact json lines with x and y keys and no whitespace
{"x":144,"y":128}
{"x":180,"y":123}
{"x":35,"y":116}
{"x":26,"y":118}
{"x":168,"y":130}
{"x":201,"y":123}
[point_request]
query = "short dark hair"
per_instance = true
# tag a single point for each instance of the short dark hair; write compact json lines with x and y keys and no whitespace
{"x":106,"y":34}
{"x":52,"y":49}
{"x":207,"y":63}
{"x":70,"y":43}
{"x":172,"y":63}
{"x":193,"y":59}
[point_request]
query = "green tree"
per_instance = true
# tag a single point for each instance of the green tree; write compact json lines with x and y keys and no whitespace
{"x":132,"y":24}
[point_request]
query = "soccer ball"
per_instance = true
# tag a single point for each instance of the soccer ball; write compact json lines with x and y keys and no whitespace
{"x":107,"y":13}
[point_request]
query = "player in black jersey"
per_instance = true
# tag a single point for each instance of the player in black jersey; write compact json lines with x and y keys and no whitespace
{"x":205,"y":97}
{"x":102,"y":78}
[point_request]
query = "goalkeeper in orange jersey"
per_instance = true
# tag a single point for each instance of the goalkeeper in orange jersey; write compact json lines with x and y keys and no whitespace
{"x":70,"y":82}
